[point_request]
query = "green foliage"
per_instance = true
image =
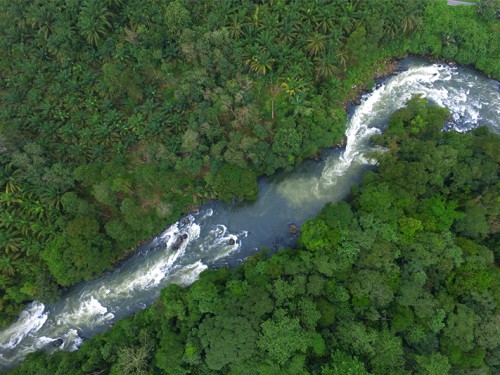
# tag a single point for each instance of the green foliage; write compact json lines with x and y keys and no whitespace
{"x":227,"y":340}
{"x":234,"y":182}
{"x":118,"y":116}
{"x":343,"y":363}
{"x":467,"y":35}
{"x":177,"y":17}
{"x":287,"y":143}
{"x":81,"y":255}
{"x":94,"y":21}
{"x":388,"y":283}
{"x":282,"y":338}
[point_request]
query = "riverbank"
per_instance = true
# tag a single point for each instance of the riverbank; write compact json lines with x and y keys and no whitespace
{"x":378,"y":71}
{"x":112,"y":136}
{"x":330,"y":283}
{"x":382,"y":70}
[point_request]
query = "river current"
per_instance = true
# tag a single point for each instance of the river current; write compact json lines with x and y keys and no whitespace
{"x":221,"y":234}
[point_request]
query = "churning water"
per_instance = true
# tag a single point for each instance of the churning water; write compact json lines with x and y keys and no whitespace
{"x":226,"y":234}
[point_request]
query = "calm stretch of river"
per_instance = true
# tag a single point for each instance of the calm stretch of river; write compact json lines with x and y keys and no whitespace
{"x":91,"y":307}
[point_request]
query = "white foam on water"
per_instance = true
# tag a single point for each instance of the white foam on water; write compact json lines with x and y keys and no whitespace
{"x":217,"y":242}
{"x":209,"y":212}
{"x":189,"y":274}
{"x":89,"y":312}
{"x":441,"y":84}
{"x":152,"y":274}
{"x":169,"y":232}
{"x":424,"y":80}
{"x":103,"y":292}
{"x":432,"y":82}
{"x":39,"y":343}
{"x":29,"y":322}
{"x":43,"y":341}
{"x":71,"y":340}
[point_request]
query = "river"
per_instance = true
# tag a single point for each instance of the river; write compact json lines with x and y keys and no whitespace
{"x":221,"y":234}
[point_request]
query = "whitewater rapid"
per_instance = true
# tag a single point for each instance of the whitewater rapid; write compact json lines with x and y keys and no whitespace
{"x":444,"y":85}
{"x":220,"y":233}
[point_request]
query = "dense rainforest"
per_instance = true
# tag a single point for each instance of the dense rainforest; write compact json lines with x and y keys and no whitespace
{"x":398,"y":279}
{"x":118,"y":116}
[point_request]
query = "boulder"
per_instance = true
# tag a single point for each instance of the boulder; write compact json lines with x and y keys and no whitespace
{"x":178,"y":242}
{"x":57,"y":343}
{"x":342,"y":142}
{"x":293,"y":229}
{"x":231,"y":241}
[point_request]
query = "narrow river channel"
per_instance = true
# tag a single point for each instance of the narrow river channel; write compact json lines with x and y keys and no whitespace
{"x":222,"y":234}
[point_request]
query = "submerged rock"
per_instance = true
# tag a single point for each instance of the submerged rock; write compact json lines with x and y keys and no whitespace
{"x":342,"y":142}
{"x":57,"y":343}
{"x":293,"y":229}
{"x":178,"y":242}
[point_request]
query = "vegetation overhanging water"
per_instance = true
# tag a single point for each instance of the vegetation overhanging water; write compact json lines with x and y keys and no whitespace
{"x":226,"y":234}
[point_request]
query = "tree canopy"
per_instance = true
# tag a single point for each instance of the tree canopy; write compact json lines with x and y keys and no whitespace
{"x":385,"y":282}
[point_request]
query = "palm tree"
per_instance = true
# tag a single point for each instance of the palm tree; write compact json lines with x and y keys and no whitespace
{"x":266,"y":39}
{"x":68,"y":133}
{"x":288,"y":32}
{"x":300,"y":105}
{"x":270,"y":22}
{"x":293,"y":86}
{"x":254,"y":20}
{"x":24,"y":227}
{"x":40,"y":230}
{"x":323,"y":21}
{"x":31,"y":246}
{"x":411,"y":23}
{"x":9,"y":242}
{"x":7,"y":264}
{"x":342,"y":57}
{"x":326,"y":66}
{"x":175,"y":123}
{"x":315,"y":44}
{"x":260,"y":61}
{"x":8,"y":181}
{"x":9,"y":199}
{"x":308,"y":13}
{"x":8,"y":220}
{"x":93,"y":21}
{"x":235,"y":27}
{"x":51,"y":197}
{"x":42,"y":18}
{"x":33,"y":208}
{"x":391,"y":29}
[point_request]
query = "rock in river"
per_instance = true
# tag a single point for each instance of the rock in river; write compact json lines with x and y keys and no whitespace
{"x":57,"y":343}
{"x":178,"y":242}
{"x":293,"y":229}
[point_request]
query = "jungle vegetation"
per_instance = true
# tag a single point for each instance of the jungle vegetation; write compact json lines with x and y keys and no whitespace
{"x":398,"y":279}
{"x":118,"y":116}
